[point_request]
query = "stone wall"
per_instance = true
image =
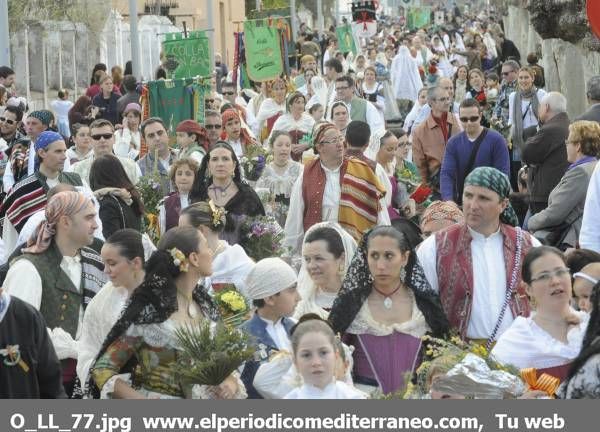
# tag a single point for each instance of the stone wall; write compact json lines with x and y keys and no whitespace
{"x":567,"y":65}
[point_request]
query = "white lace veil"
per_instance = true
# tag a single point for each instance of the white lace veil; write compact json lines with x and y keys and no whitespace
{"x":306,"y":287}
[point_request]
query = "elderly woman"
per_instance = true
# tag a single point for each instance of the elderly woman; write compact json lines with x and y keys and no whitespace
{"x":296,"y":122}
{"x":551,"y":337}
{"x":280,"y":175}
{"x":327,"y":251}
{"x":440,"y":215}
{"x":559,"y":224}
{"x":384,"y":307}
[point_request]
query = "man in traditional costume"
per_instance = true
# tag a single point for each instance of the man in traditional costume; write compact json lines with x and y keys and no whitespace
{"x":103,"y":140}
{"x":59,"y":275}
{"x":271,"y":285}
{"x":475,"y":266}
{"x":29,"y":195}
{"x":359,"y":108}
{"x":334,"y":188}
{"x":30,"y":368}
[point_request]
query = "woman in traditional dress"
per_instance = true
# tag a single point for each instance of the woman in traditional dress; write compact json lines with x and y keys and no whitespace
{"x":272,"y":107}
{"x":551,"y":337}
{"x":82,"y":143}
{"x":327,"y":251}
{"x":234,"y":133}
{"x":340,"y":116}
{"x":279,"y":176}
{"x":410,"y":119}
{"x":219,"y":179}
{"x":230,"y":264}
{"x":123,"y":256}
{"x":182,"y":173}
{"x":296,"y":122}
{"x":523,"y":106}
{"x":384,"y":307}
{"x":144,"y":336}
{"x":583,"y":380}
{"x":370,"y":89}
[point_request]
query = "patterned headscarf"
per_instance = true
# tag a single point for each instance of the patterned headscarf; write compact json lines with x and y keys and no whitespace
{"x":358,"y":284}
{"x":66,"y":203}
{"x":232,"y":114}
{"x":46,"y":138}
{"x":442,"y":211}
{"x":45,"y":116}
{"x":496,"y":181}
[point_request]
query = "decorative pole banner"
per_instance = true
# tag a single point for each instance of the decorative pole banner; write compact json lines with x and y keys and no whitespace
{"x":346,"y":39}
{"x":418,"y":17}
{"x":593,"y":13}
{"x":364,"y":18}
{"x":263,"y":52}
{"x":187,"y":57}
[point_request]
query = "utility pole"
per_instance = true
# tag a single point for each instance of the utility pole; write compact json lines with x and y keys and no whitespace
{"x":4,"y":36}
{"x":136,"y":61}
{"x":293,"y":19}
{"x":210,"y":32}
{"x":320,"y":17}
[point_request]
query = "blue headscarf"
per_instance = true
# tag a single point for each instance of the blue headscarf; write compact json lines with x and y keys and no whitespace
{"x":44,"y":140}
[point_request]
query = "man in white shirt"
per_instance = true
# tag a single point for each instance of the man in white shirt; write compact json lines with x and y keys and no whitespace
{"x":103,"y":140}
{"x":35,"y":123}
{"x":156,"y":137}
{"x":475,"y":267}
{"x":323,"y":191}
{"x":59,"y":275}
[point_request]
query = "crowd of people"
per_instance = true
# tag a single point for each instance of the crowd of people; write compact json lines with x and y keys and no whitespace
{"x":428,"y":186}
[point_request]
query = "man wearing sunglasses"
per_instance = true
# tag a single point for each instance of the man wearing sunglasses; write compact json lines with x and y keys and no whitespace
{"x":10,"y":120}
{"x":476,"y":146}
{"x":213,"y":126}
{"x":510,"y":73}
{"x":103,"y":140}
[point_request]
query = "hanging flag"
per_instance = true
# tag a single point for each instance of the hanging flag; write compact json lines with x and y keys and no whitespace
{"x":364,"y":18}
{"x":172,"y":101}
{"x":187,"y":57}
{"x":263,"y":52}
{"x":418,"y":17}
{"x":346,"y":39}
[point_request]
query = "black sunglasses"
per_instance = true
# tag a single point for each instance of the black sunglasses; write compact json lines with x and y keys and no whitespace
{"x":8,"y":121}
{"x":216,"y":126}
{"x":228,"y":93}
{"x":471,"y":119}
{"x":106,"y":136}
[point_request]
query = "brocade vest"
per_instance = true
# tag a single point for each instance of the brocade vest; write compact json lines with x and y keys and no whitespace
{"x":313,"y":188}
{"x":172,"y":210}
{"x":455,"y":273}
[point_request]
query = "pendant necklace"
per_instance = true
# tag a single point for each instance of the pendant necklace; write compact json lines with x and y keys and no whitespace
{"x":387,"y":302}
{"x":191,"y":310}
{"x":223,"y":190}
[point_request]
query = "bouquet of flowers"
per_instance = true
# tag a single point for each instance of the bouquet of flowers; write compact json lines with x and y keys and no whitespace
{"x":150,"y":190}
{"x":467,"y":369}
{"x":254,"y":162}
{"x":209,"y":355}
{"x":262,"y":237}
{"x":232,"y":305}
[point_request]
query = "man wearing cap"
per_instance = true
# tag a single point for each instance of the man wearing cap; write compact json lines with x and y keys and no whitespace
{"x":59,"y":275}
{"x":271,"y":285}
{"x":128,"y":140}
{"x":29,"y":195}
{"x":35,"y":123}
{"x":192,"y":140}
{"x":103,"y":140}
{"x":475,"y":266}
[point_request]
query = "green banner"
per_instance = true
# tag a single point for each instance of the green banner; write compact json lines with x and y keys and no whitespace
{"x":418,"y":17}
{"x":263,"y":52}
{"x":187,"y":58}
{"x":172,"y":101}
{"x":346,"y":39}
